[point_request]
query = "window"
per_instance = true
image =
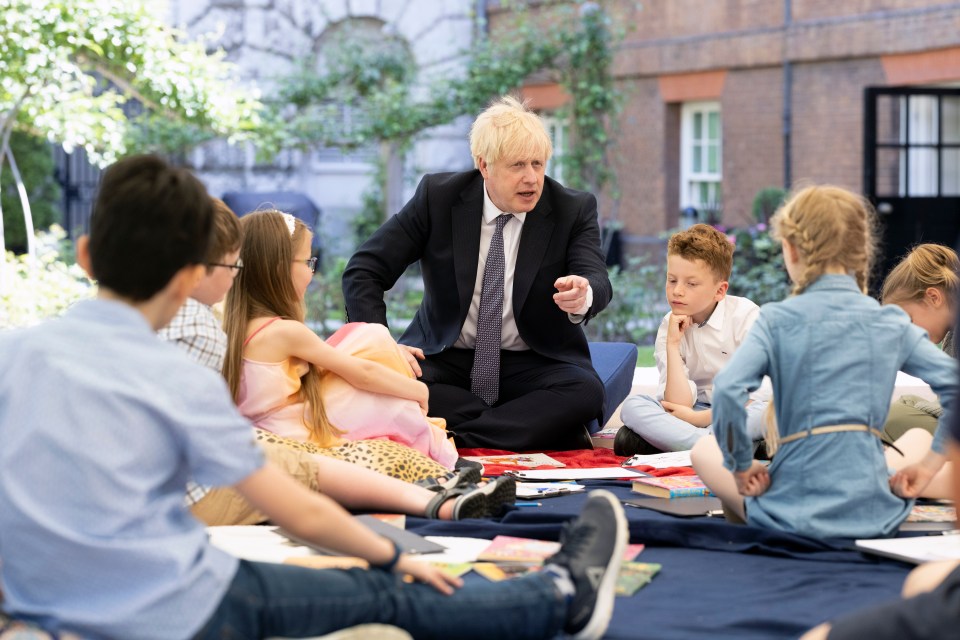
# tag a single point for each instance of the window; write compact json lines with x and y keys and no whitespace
{"x":557,"y":130}
{"x":921,"y":129}
{"x":701,"y":159}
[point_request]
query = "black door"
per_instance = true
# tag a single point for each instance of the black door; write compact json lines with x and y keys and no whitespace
{"x":912,"y":167}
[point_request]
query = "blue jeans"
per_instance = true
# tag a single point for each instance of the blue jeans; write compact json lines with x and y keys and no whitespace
{"x":267,"y":600}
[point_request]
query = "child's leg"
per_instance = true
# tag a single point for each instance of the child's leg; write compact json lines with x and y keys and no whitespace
{"x":708,"y":463}
{"x":915,"y":444}
{"x":644,"y":416}
{"x":268,"y":600}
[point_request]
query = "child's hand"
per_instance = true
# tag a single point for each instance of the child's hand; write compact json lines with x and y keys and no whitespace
{"x":754,"y":481}
{"x":697,"y":417}
{"x":911,"y":480}
{"x":431,"y":575}
{"x":676,"y":327}
{"x":424,"y":400}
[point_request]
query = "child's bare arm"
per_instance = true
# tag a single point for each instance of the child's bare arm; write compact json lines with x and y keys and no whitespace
{"x":296,"y":339}
{"x":677,"y":389}
{"x":315,"y":517}
{"x":698,"y":418}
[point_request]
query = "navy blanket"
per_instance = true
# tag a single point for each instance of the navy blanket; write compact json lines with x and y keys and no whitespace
{"x":718,"y":580}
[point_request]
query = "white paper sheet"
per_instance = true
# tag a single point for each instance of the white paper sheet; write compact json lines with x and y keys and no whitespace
{"x":600,"y":473}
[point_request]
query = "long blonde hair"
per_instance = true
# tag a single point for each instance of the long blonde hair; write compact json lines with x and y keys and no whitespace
{"x":263,"y":289}
{"x":927,"y":265}
{"x":829,"y":226}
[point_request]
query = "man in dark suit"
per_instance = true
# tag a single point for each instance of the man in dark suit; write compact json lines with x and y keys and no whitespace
{"x":512,"y":268}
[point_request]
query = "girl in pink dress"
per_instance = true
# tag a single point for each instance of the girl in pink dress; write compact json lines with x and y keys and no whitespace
{"x":355,"y":386}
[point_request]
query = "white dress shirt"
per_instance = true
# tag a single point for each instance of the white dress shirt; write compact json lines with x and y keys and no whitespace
{"x":509,"y":334}
{"x":706,"y":349}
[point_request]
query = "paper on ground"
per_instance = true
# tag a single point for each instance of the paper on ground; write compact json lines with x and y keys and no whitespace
{"x":917,"y":549}
{"x":661,"y":460}
{"x":263,"y":544}
{"x":538,"y":489}
{"x":256,"y":543}
{"x":600,"y":473}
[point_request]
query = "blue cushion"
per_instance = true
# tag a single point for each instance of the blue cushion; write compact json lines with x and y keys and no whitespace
{"x":615,"y":363}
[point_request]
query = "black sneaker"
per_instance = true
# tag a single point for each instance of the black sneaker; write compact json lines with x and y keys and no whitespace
{"x":627,"y":443}
{"x":463,"y":463}
{"x":592,"y":551}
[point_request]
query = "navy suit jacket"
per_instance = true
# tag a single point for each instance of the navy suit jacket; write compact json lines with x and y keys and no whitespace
{"x":440,"y":227}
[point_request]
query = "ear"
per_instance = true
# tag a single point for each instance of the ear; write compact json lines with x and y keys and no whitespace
{"x":934,"y":297}
{"x":721,"y":290}
{"x":484,"y":168}
{"x":186,"y":280}
{"x":83,"y":255}
{"x":791,"y":251}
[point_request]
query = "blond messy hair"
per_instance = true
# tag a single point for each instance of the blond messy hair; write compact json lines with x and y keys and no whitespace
{"x":830,"y":227}
{"x":508,"y":129}
{"x":703,"y":242}
{"x":264,"y":289}
{"x":927,"y":265}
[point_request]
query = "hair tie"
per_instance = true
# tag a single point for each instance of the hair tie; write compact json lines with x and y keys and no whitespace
{"x":291,"y":222}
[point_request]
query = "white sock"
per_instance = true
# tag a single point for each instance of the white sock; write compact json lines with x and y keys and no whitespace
{"x":561,"y":578}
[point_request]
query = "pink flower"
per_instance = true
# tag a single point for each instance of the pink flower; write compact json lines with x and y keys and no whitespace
{"x":732,"y":239}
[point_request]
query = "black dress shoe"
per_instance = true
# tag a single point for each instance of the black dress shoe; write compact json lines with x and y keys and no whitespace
{"x":627,"y":443}
{"x":578,"y":438}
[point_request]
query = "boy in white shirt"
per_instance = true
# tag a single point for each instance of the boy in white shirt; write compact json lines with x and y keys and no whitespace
{"x":695,"y":340}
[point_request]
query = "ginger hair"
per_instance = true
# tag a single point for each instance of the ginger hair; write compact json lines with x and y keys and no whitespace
{"x":703,"y":242}
{"x":830,"y":227}
{"x":927,"y":265}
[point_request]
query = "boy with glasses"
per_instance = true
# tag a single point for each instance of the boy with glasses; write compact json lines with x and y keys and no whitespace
{"x":195,"y":328}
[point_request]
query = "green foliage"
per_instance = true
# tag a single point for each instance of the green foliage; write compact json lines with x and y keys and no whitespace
{"x":43,"y":287}
{"x":587,"y":78}
{"x":69,"y":69}
{"x":758,"y":270}
{"x":35,"y":161}
{"x":766,"y":203}
{"x":375,"y":81}
{"x":637,"y":307}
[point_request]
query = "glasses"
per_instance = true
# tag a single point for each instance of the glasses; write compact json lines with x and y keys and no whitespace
{"x":237,"y":265}
{"x":311,"y":263}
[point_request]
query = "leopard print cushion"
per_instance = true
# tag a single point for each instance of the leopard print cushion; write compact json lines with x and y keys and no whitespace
{"x":385,"y":456}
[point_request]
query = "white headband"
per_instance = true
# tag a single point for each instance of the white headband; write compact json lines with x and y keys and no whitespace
{"x":291,"y":222}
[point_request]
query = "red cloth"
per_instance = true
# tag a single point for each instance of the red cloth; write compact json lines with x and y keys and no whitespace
{"x":576,"y":459}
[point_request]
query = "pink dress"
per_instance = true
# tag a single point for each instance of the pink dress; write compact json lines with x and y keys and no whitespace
{"x":270,"y":397}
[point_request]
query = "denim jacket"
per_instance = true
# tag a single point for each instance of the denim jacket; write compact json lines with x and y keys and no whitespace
{"x":832,"y":354}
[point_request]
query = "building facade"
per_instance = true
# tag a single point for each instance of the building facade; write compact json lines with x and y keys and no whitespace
{"x":268,"y":39}
{"x":723,"y":98}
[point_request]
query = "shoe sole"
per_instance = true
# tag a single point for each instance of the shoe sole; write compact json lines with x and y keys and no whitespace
{"x":481,"y":502}
{"x":603,"y":608}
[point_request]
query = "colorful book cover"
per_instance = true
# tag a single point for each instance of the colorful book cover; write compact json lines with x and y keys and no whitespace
{"x":933,"y":513}
{"x":671,"y":487}
{"x":527,"y":460}
{"x":497,"y":572}
{"x":510,"y":549}
{"x":634,"y":575}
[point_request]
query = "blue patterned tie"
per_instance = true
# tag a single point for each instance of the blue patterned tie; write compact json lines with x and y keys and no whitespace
{"x":485,"y":376}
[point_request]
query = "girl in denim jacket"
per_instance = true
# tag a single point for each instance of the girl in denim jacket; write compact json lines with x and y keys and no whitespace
{"x":832,"y":353}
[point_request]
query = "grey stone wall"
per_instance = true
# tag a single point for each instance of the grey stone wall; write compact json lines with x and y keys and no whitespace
{"x":267,"y":38}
